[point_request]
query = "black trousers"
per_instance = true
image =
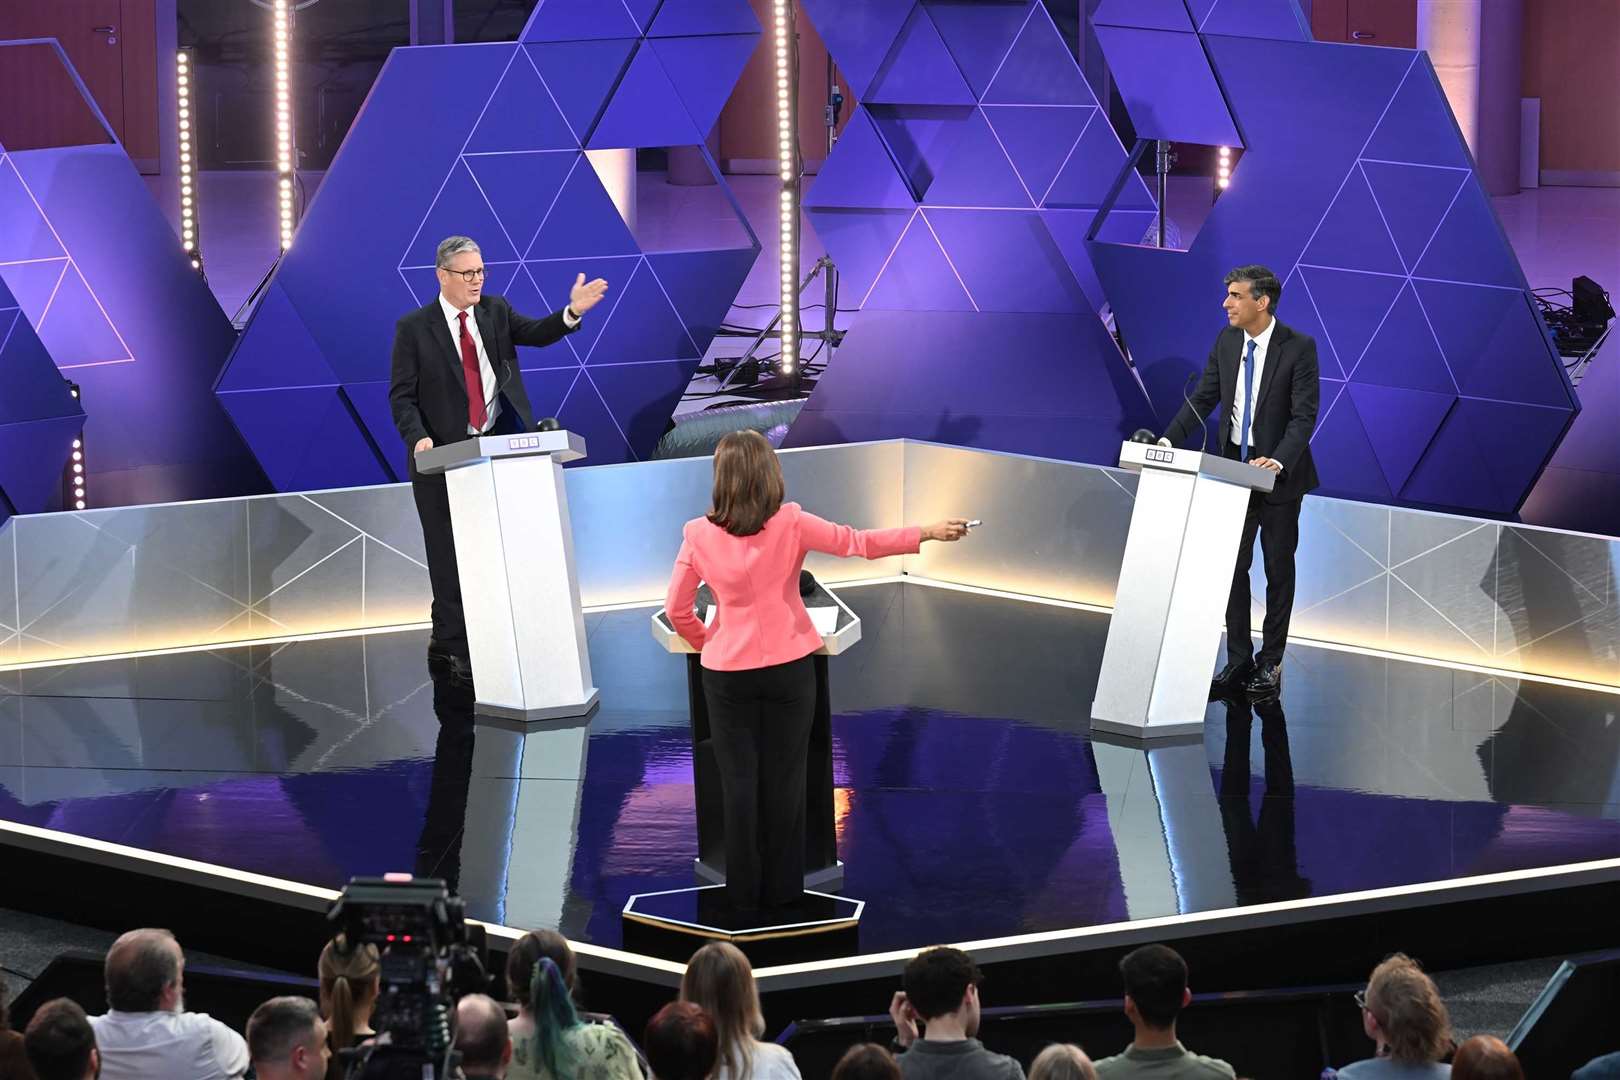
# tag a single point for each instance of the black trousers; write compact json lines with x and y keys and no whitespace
{"x":759,"y":723}
{"x":433,"y":508}
{"x":1277,"y":525}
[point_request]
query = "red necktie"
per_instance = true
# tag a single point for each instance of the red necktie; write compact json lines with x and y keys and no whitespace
{"x":475,"y":379}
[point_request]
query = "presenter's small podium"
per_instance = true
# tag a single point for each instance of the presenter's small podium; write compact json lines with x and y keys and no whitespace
{"x":1170,"y":607}
{"x":515,"y":555}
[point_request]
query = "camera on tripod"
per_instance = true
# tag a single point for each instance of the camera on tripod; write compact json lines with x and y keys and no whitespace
{"x":429,"y":961}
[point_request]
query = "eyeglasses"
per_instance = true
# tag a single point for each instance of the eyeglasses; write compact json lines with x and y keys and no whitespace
{"x":469,"y":276}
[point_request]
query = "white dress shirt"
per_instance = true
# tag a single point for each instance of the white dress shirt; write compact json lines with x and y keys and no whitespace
{"x":1261,"y":343}
{"x":486,"y":371}
{"x":143,"y":1045}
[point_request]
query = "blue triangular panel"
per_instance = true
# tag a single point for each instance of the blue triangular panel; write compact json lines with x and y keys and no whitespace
{"x":644,"y":11}
{"x":642,"y":397}
{"x":1414,"y":199}
{"x":75,"y":329}
{"x":554,"y":280}
{"x":920,"y":70}
{"x":1145,"y":14}
{"x":1403,"y":352}
{"x":1352,"y":235}
{"x":921,"y":138}
{"x":1517,"y":434}
{"x":1303,"y":318}
{"x":859,"y":173}
{"x":1453,"y":471}
{"x":522,"y":188}
{"x":681,"y":18}
{"x":1068,"y":229}
{"x":702,"y":285}
{"x":1399,"y":424}
{"x":919,"y":277}
{"x":585,"y":412}
{"x":32,"y":456}
{"x":1039,"y":69}
{"x":1343,"y":454}
{"x":859,"y":241}
{"x":370,"y":403}
{"x":1418,"y":126}
{"x":304,"y":438}
{"x":583,"y":221}
{"x":34,"y":283}
{"x":27,"y":234}
{"x":549,"y":389}
{"x":580,"y":75}
{"x":33,"y":388}
{"x":643,"y":326}
{"x":645,"y":110}
{"x":521,"y":115}
{"x":984,"y":244}
{"x":459,"y":210}
{"x":1279,"y":20}
{"x":279,"y":352}
{"x":579,"y":20}
{"x":422,"y":282}
{"x":977,"y":173}
{"x":978,"y":36}
{"x":858,"y":34}
{"x":1494,"y":344}
{"x":704,"y":71}
{"x":1089,"y":172}
{"x":1351,"y":307}
{"x":1469,"y":245}
{"x":1039,"y":139}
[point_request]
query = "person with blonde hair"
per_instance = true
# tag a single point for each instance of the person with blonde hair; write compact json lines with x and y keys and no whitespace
{"x":1062,"y":1061}
{"x":550,"y":1039}
{"x":720,"y":980}
{"x":1402,"y":1014}
{"x":350,"y":980}
{"x":758,"y":678}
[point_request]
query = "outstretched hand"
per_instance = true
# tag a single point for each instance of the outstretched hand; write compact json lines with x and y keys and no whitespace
{"x":948,"y":530}
{"x":585,"y":295}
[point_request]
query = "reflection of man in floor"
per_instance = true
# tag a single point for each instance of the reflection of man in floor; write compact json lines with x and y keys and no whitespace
{"x":1265,"y":864}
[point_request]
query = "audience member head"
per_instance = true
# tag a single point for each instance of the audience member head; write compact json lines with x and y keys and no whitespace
{"x":866,"y":1061}
{"x":350,"y":980}
{"x":720,"y":979}
{"x":680,"y":1042}
{"x":145,"y":972}
{"x":481,"y":1036}
{"x":1402,"y":1010}
{"x":286,"y":1039}
{"x":521,"y":964}
{"x":1155,"y":986}
{"x":748,"y":486}
{"x":548,"y":1003}
{"x":944,"y":982}
{"x":60,"y":1044}
{"x":1485,"y":1057}
{"x":1062,"y":1061}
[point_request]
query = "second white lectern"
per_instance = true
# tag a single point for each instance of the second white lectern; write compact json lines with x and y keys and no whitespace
{"x":1170,"y":607}
{"x":515,"y":554}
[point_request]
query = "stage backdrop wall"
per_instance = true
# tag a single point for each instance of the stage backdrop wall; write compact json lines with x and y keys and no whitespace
{"x":100,"y":276}
{"x":1432,"y":585}
{"x":39,"y":418}
{"x":494,"y":141}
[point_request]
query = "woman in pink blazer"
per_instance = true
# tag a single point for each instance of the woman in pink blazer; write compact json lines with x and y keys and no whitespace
{"x":757,"y":675}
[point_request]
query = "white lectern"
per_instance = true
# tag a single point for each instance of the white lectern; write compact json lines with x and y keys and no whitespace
{"x":1170,"y":607}
{"x":515,"y":553}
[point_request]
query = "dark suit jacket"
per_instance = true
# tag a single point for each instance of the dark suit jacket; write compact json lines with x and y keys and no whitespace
{"x":1285,"y":412}
{"x":428,"y":388}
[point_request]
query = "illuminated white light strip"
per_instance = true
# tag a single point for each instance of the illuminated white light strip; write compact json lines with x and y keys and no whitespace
{"x":184,"y":79}
{"x":282,"y":29}
{"x":1223,"y":170}
{"x":787,"y":142}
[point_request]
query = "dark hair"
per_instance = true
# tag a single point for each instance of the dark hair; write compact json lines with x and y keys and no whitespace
{"x":1485,"y":1057}
{"x":280,"y":1025}
{"x":59,"y":1040}
{"x":936,"y":979}
{"x":681,"y":1042}
{"x":140,"y":966}
{"x":1262,"y":282}
{"x":866,"y":1061}
{"x":481,"y":1037}
{"x":1156,"y":980}
{"x":526,"y":952}
{"x":748,"y":486}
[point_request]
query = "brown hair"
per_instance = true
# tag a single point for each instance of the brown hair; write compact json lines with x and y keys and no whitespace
{"x":1062,"y":1061}
{"x":680,"y":1042}
{"x":1485,"y":1057}
{"x":866,"y":1061}
{"x":1407,"y":1006}
{"x":720,"y":979}
{"x":748,"y":485}
{"x":529,"y":950}
{"x":350,"y":977}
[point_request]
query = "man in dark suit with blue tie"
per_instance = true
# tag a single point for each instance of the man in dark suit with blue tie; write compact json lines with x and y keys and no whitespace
{"x":1264,"y":377}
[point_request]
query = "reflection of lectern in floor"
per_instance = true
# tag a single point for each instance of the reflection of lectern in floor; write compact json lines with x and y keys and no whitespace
{"x":1174,"y":581}
{"x":515,"y":553}
{"x":668,"y":923}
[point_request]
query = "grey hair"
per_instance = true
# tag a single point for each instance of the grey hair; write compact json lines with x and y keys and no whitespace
{"x":450,"y":247}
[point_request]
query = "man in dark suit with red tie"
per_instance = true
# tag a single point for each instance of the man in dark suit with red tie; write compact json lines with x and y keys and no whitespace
{"x":455,"y":376}
{"x":1264,"y":377}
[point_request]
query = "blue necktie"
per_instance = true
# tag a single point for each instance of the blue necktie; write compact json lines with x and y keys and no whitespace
{"x":1248,"y":399}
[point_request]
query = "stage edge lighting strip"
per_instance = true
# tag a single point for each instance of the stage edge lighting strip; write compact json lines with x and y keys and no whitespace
{"x":190,"y":240}
{"x":284,"y":132}
{"x":787,"y":115}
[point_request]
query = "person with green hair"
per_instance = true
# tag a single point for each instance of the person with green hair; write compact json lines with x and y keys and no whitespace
{"x":550,"y":1039}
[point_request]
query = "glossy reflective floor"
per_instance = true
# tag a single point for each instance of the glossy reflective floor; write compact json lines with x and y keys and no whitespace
{"x":972,"y":800}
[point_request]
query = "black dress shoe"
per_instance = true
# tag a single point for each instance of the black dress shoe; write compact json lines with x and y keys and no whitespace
{"x":455,"y":665}
{"x":1267,"y":679}
{"x":1231,"y":677}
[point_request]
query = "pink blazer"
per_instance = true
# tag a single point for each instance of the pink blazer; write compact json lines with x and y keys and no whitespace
{"x":761,"y":619}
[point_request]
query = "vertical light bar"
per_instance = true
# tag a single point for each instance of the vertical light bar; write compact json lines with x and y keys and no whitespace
{"x":184,"y":82}
{"x":76,"y":463}
{"x":284,"y":130}
{"x":1223,"y":170}
{"x":787,"y":141}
